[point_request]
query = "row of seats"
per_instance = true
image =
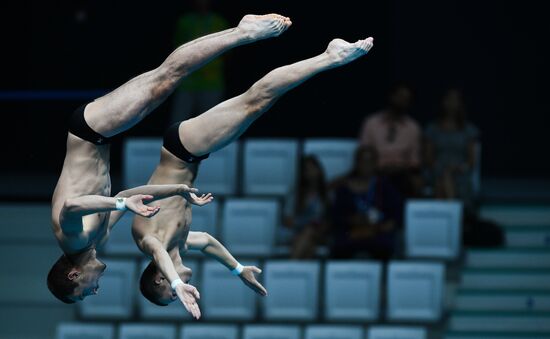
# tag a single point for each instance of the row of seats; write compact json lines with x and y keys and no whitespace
{"x":343,"y":291}
{"x":220,"y":173}
{"x":221,"y":331}
{"x":248,"y":227}
{"x":278,"y":157}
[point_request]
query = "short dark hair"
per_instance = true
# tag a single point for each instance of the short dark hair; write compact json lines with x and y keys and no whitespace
{"x":147,"y":285}
{"x":59,"y":283}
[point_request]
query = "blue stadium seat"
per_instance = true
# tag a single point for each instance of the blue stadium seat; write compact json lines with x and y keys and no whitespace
{"x":269,"y":166}
{"x":415,"y":291}
{"x":352,"y":290}
{"x":248,"y":226}
{"x":210,"y":331}
{"x":175,"y":310}
{"x":147,"y":331}
{"x":293,"y":290}
{"x":88,"y":331}
{"x":396,"y":332}
{"x":336,"y":155}
{"x":271,"y":332}
{"x":140,"y":158}
{"x":433,"y":228}
{"x":218,"y":174}
{"x":224,"y":296}
{"x":121,"y":242}
{"x":334,"y":332}
{"x":205,"y":219}
{"x":117,"y":288}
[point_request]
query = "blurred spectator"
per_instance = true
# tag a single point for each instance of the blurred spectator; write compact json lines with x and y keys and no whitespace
{"x":308,"y":218}
{"x":366,"y":211}
{"x":204,"y":88}
{"x":396,"y":138}
{"x":450,"y":143}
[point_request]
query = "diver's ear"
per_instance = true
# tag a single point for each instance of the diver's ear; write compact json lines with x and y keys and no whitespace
{"x":73,"y":274}
{"x":158,"y":279}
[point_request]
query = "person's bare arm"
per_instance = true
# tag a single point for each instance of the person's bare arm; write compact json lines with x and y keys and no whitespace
{"x":187,"y":294}
{"x":210,"y":246}
{"x":159,"y":192}
{"x":75,"y":208}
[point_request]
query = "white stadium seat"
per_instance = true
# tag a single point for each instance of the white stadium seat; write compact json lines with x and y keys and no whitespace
{"x":293,"y":290}
{"x":433,"y":228}
{"x":334,"y":332}
{"x":140,"y":158}
{"x":415,"y":291}
{"x":205,"y":219}
{"x":147,"y":331}
{"x":210,"y":331}
{"x":248,"y":226}
{"x":270,"y":166}
{"x":352,"y":290}
{"x":271,"y":332}
{"x":121,"y":241}
{"x":336,"y":155}
{"x":88,"y":331}
{"x":224,"y":296}
{"x":218,"y":173}
{"x":117,"y":287}
{"x":396,"y":332}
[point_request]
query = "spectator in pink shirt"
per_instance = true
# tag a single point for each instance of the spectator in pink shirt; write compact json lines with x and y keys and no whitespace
{"x":396,"y":137}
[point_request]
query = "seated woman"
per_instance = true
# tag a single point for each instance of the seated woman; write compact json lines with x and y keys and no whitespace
{"x":450,"y":150}
{"x":307,"y":219}
{"x":366,"y":211}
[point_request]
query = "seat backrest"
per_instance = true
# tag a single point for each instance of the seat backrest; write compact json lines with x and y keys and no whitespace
{"x":396,"y":332}
{"x":224,"y":296}
{"x":415,"y":290}
{"x":433,"y":228}
{"x":218,"y":174}
{"x":334,"y":332}
{"x":210,"y":331}
{"x":293,"y":290}
{"x":269,"y":166}
{"x":88,"y":331}
{"x":335,"y":155}
{"x":271,"y":332}
{"x":146,"y":331}
{"x":140,"y":158}
{"x":352,"y":290}
{"x":248,"y":226}
{"x":115,"y":299}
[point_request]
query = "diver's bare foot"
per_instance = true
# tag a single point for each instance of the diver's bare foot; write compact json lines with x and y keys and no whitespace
{"x":257,"y":27}
{"x":341,"y":52}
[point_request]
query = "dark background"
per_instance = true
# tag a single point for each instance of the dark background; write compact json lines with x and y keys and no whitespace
{"x":494,"y":51}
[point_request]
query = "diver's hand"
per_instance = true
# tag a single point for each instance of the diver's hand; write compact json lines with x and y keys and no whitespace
{"x":249,"y":279}
{"x":188,"y":296}
{"x":136,"y":204}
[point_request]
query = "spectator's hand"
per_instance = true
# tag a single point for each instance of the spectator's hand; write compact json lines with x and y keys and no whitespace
{"x":188,"y":296}
{"x":136,"y":204}
{"x":249,"y":279}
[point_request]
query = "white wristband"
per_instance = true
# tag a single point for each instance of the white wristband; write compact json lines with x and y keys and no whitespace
{"x":120,"y":204}
{"x":175,"y":283}
{"x":237,"y":270}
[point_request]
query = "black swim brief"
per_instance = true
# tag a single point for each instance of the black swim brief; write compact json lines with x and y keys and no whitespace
{"x":79,"y":127}
{"x":173,"y":144}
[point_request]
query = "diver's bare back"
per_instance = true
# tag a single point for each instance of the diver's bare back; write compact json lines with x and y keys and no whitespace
{"x":85,"y":172}
{"x":171,"y":225}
